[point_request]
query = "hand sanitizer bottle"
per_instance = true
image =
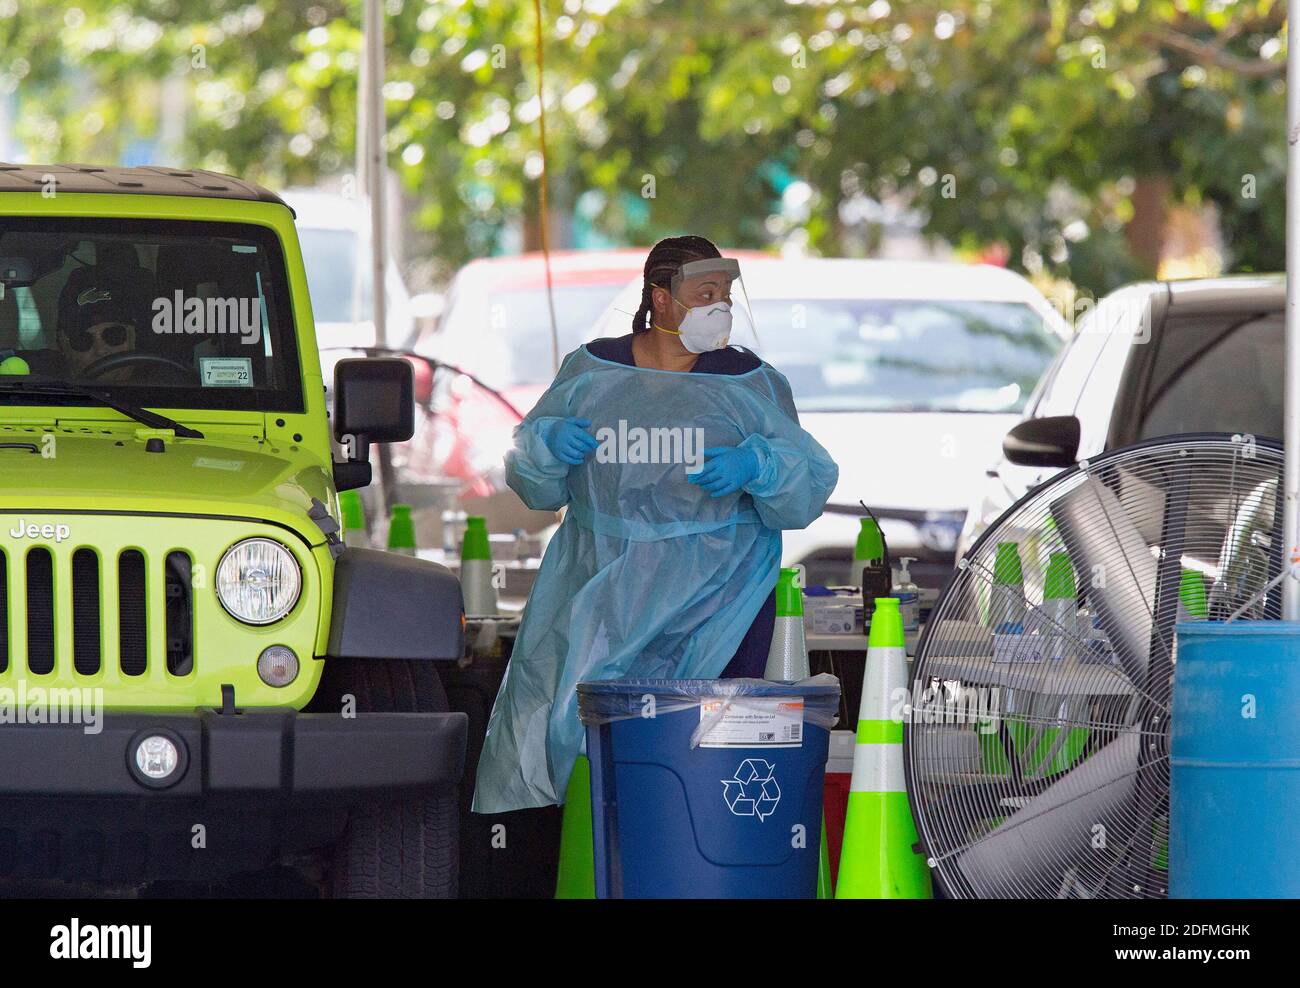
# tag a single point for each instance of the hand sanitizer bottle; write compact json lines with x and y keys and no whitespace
{"x":909,"y":603}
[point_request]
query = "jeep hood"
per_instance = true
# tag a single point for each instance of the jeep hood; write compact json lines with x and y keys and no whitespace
{"x":109,"y":468}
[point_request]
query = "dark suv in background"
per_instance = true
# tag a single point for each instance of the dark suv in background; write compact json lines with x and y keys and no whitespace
{"x":1151,"y":359}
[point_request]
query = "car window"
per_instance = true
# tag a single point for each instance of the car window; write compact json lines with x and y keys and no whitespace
{"x":860,"y":354}
{"x":1220,"y":373}
{"x":1073,"y":369}
{"x":505,"y":333}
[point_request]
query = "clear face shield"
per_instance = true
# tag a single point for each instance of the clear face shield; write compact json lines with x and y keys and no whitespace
{"x":713,"y":305}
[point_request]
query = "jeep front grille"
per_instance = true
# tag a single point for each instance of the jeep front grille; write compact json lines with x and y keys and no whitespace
{"x":4,"y":612}
{"x":134,"y":651}
{"x":124,"y":602}
{"x":86,"y":653}
{"x":40,"y":612}
{"x":90,"y":595}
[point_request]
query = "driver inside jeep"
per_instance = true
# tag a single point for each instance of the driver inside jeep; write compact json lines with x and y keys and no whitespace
{"x":98,"y":323}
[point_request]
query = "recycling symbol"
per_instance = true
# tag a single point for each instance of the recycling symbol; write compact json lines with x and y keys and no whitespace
{"x":753,"y":791}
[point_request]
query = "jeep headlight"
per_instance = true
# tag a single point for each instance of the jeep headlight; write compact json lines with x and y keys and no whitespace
{"x":258,"y":581}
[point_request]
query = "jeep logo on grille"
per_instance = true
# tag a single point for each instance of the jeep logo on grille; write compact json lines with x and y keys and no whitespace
{"x":33,"y":531}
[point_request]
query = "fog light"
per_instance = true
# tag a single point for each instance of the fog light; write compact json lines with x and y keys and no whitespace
{"x":157,"y":758}
{"x":277,"y":665}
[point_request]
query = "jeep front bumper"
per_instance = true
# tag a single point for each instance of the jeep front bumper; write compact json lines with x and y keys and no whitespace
{"x":283,"y":752}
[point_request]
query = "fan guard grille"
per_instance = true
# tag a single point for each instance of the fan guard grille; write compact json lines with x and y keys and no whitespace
{"x":1037,"y":761}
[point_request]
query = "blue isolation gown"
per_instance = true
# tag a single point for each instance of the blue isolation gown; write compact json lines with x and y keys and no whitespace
{"x":648,"y":575}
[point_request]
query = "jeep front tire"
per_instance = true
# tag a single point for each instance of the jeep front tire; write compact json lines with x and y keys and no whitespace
{"x":408,"y":848}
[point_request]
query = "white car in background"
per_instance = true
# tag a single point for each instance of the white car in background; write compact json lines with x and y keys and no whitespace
{"x":909,"y":373}
{"x":335,"y":234}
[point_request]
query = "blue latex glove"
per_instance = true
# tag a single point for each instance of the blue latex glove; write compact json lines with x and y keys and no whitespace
{"x":570,"y":441}
{"x":726,"y":470}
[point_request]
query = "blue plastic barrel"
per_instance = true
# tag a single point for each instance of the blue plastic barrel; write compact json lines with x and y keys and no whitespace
{"x":739,"y":820}
{"x":1234,"y":803}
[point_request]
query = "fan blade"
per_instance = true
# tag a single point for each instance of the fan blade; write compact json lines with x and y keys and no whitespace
{"x":1101,"y":539}
{"x":1028,"y":854}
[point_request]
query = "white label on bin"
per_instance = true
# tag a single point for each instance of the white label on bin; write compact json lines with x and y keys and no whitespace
{"x":753,"y":722}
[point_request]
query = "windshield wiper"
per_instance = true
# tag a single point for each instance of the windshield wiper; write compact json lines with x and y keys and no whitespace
{"x":153,"y":420}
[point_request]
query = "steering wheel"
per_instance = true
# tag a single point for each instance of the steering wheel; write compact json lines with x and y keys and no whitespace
{"x":114,"y":361}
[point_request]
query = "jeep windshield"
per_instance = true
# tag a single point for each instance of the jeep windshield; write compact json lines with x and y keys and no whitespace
{"x":160,"y":313}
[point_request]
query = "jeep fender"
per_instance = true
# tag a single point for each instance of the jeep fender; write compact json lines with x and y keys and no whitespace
{"x":388,"y":606}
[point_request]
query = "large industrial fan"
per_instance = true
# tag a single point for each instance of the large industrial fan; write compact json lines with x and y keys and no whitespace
{"x":1037,"y":735}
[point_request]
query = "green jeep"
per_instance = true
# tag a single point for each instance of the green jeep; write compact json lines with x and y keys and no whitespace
{"x":197,"y":679}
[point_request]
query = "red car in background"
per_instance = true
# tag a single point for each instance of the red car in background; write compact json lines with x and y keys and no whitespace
{"x":497,"y":327}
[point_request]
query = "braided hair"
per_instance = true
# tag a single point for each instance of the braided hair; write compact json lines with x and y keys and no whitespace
{"x":665,"y":260}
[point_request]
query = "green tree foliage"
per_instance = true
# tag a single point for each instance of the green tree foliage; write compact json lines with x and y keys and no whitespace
{"x":1057,"y":129}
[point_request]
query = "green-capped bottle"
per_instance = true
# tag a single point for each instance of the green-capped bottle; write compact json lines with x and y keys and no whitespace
{"x":1060,"y":607}
{"x":476,"y":569}
{"x":871,"y":567}
{"x":1007,"y":598}
{"x":353,"y":514}
{"x":401,"y":530}
{"x":787,"y":658}
{"x":1192,"y":602}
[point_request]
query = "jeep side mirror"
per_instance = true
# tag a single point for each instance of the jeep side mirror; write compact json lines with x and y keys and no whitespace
{"x":373,"y":403}
{"x":1052,"y":441}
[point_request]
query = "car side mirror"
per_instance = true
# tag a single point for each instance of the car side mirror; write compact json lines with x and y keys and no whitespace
{"x":373,"y":403}
{"x":1052,"y":441}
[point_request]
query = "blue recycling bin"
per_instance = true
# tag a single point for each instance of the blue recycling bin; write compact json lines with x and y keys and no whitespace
{"x":1234,"y":784}
{"x":707,"y":788}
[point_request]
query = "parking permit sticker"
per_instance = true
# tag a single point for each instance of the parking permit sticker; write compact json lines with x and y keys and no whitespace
{"x":753,"y":722}
{"x":226,"y":372}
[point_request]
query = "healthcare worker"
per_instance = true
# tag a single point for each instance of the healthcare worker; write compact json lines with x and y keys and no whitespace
{"x":680,"y":459}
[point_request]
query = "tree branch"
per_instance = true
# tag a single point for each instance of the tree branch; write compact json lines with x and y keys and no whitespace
{"x":1206,"y":53}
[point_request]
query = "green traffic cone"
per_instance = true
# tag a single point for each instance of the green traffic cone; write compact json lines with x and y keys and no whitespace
{"x":992,"y":754}
{"x":1192,"y":602}
{"x":825,"y":884}
{"x":476,"y":569}
{"x":787,"y":657}
{"x":577,"y":874}
{"x":353,"y":514}
{"x":401,"y":530}
{"x":1160,"y":842}
{"x":877,"y":860}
